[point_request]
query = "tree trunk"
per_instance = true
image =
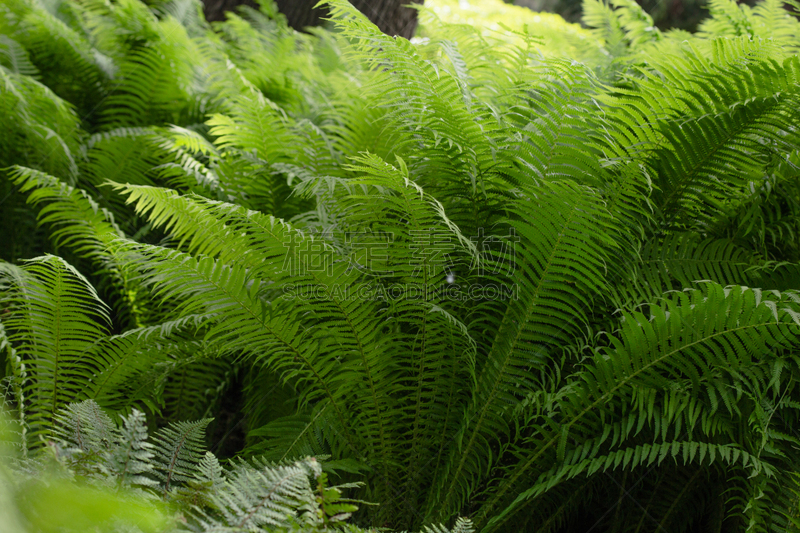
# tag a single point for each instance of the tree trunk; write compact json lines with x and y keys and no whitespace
{"x":389,"y":15}
{"x":214,"y":10}
{"x":301,"y":14}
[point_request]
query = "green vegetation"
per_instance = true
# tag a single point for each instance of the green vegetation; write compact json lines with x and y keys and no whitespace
{"x":542,"y":279}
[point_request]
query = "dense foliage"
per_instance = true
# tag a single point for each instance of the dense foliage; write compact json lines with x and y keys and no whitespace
{"x":543,"y":278}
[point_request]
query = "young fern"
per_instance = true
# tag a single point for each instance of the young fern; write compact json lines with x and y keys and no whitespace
{"x":177,"y":450}
{"x":132,"y":460}
{"x":259,"y":496}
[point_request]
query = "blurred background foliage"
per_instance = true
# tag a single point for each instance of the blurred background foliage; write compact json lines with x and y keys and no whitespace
{"x":678,"y":14}
{"x":495,"y":17}
{"x":393,"y":18}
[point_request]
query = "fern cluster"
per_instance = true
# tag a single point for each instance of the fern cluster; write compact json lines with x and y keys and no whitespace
{"x":545,"y":277}
{"x":127,"y":477}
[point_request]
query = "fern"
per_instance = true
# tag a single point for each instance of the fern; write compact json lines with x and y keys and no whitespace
{"x":85,"y":427}
{"x":56,"y":318}
{"x":132,"y":460}
{"x":527,"y":276}
{"x":257,"y":495}
{"x":213,"y":499}
{"x":177,"y":451}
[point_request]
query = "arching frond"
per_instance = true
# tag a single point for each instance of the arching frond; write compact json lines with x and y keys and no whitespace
{"x":56,"y":317}
{"x":703,"y":338}
{"x":678,"y":262}
{"x":557,"y":267}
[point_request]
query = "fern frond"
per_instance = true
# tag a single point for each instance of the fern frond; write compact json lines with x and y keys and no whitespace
{"x":86,"y":427}
{"x":599,"y":15}
{"x":67,"y":62}
{"x":769,"y":19}
{"x":680,"y":260}
{"x":56,"y":318}
{"x":14,"y":57}
{"x":558,"y":267}
{"x":177,"y":450}
{"x":195,"y":379}
{"x":81,"y":225}
{"x":703,"y":337}
{"x":42,"y":128}
{"x":266,"y":497}
{"x":131,"y":460}
{"x":209,"y":479}
{"x":462,"y":525}
{"x":728,"y":19}
{"x":711,"y":139}
{"x":140,"y":362}
{"x":78,"y":221}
